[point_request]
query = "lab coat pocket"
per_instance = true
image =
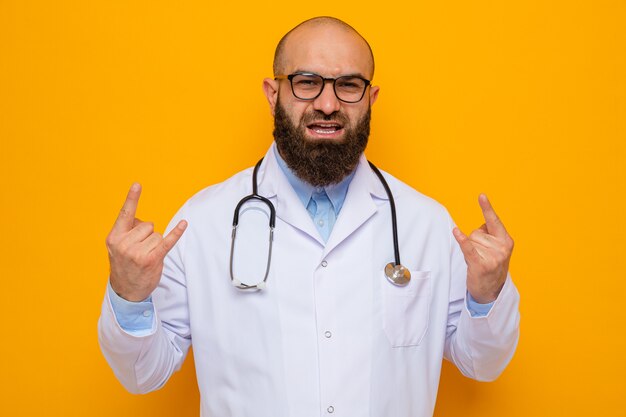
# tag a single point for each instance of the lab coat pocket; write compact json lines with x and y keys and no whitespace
{"x":406,"y":310}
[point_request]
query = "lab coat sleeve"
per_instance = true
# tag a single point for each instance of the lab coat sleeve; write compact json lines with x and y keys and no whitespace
{"x":482,"y":346}
{"x":143,"y":363}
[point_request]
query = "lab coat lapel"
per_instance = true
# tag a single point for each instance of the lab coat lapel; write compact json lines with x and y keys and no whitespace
{"x":274,"y":185}
{"x":358,"y":206}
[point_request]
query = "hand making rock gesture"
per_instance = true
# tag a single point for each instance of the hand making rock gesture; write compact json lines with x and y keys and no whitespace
{"x":136,"y":251}
{"x":487,"y":252}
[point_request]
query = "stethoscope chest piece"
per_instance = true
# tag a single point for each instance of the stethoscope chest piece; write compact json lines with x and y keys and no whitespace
{"x":397,"y":274}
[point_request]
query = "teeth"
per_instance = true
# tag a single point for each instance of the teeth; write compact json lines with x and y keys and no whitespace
{"x":325,"y":129}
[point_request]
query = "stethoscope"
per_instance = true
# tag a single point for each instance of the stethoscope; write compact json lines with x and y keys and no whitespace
{"x":395,"y":272}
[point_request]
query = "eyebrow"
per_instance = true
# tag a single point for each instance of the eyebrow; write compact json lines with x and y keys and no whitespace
{"x":352,"y":74}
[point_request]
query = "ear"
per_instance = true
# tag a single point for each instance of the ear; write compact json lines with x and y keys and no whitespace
{"x":270,"y":89}
{"x":374,"y":90}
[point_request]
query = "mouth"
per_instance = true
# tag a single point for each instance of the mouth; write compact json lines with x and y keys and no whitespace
{"x":325,"y":129}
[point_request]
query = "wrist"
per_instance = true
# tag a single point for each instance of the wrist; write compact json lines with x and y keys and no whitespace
{"x":487,"y":296}
{"x":131,"y":296}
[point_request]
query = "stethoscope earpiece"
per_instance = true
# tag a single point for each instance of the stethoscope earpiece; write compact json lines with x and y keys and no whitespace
{"x":397,"y":274}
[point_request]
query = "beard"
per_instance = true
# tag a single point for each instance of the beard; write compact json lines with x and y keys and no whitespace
{"x":320,"y":162}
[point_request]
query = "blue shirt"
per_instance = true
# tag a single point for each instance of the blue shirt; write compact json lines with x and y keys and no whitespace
{"x":323,"y":205}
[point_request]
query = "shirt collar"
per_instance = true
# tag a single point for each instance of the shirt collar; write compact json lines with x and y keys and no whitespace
{"x":336,"y":192}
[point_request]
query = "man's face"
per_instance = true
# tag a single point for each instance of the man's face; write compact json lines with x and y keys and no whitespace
{"x":323,"y":126}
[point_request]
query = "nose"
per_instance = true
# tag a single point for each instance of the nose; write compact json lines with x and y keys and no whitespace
{"x":327,"y":102}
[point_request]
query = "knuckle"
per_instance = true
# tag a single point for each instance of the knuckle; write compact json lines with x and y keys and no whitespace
{"x":472,"y":255}
{"x":510,"y":243}
{"x":505,"y":252}
{"x":121,"y":248}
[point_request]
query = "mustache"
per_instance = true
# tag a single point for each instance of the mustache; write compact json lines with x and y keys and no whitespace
{"x":318,"y":115}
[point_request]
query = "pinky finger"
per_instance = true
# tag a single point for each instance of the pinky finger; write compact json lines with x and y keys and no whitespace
{"x":467,"y":247}
{"x":170,"y":240}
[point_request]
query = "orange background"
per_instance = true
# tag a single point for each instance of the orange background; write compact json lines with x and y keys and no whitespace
{"x":524,"y":100}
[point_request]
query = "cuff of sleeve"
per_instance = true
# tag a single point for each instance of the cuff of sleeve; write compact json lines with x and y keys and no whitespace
{"x":475,"y":308}
{"x":134,"y":317}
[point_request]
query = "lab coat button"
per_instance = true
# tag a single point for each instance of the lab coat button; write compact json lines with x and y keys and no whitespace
{"x":330,"y":409}
{"x":328,"y":334}
{"x":147,"y":313}
{"x":324,"y":264}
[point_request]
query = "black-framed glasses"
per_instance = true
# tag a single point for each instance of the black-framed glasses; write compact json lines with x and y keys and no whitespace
{"x":309,"y":86}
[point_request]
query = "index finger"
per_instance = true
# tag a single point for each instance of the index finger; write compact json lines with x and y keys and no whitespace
{"x":124,"y":221}
{"x":493,"y":222}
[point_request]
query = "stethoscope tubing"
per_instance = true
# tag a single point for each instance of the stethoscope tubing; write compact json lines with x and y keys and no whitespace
{"x":392,"y":206}
{"x":255,"y":196}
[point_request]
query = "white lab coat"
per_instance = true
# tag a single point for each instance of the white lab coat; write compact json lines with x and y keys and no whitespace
{"x":330,"y":336}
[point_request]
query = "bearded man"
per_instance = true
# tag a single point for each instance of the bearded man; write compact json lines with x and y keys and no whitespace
{"x":316,"y":320}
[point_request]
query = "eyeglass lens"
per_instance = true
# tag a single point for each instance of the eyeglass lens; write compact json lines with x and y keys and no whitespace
{"x":309,"y":86}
